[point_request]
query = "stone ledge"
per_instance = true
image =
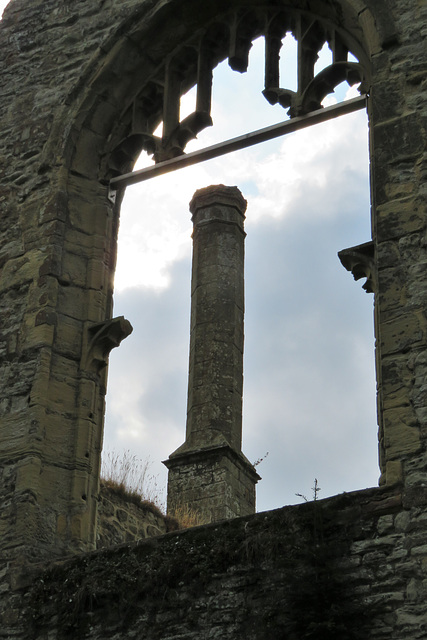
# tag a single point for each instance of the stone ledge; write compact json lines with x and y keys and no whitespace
{"x":193,"y":456}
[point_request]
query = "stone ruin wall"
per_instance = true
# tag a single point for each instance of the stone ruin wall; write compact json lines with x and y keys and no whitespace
{"x":65,"y":71}
{"x":122,"y":518}
{"x":349,"y":567}
{"x":43,"y":51}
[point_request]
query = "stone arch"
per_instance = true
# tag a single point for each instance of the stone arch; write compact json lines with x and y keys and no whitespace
{"x":67,"y":258}
{"x":101,"y":144}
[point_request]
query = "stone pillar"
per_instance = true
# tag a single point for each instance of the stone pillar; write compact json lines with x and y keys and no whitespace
{"x":208,"y":473}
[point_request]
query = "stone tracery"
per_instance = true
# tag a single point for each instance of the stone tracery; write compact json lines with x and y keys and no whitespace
{"x":231,"y":37}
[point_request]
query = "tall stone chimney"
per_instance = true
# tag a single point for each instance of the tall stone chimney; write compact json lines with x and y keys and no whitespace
{"x":209,"y":473}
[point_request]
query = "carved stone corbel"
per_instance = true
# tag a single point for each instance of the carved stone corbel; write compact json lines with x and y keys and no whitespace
{"x":360,"y":261}
{"x":100,"y":339}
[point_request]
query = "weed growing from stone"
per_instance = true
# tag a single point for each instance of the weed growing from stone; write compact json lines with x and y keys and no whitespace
{"x":187,"y":517}
{"x":259,"y":460}
{"x":316,"y":490}
{"x":129,"y":475}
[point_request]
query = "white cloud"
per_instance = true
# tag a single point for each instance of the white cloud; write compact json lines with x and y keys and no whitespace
{"x":155,"y":230}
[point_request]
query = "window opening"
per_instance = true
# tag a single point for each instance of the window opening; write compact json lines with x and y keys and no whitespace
{"x":324,"y":60}
{"x":150,"y":410}
{"x":289,"y":61}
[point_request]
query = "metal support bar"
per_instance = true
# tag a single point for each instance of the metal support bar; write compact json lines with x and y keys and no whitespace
{"x":235,"y":144}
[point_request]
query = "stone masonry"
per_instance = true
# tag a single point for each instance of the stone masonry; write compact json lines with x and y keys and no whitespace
{"x":209,"y":473}
{"x":350,"y":567}
{"x":123,"y":518}
{"x":83,"y":87}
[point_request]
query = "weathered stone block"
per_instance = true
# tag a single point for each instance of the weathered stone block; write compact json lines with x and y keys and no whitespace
{"x":74,"y":269}
{"x":394,"y":472}
{"x":402,"y":332}
{"x":401,"y":433}
{"x":86,"y":154}
{"x":37,"y":336}
{"x":398,"y":217}
{"x":69,"y":337}
{"x":20,"y":270}
{"x":392,"y":292}
{"x":98,"y":276}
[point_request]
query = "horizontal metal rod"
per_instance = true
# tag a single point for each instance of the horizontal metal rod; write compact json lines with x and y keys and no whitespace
{"x":241,"y":142}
